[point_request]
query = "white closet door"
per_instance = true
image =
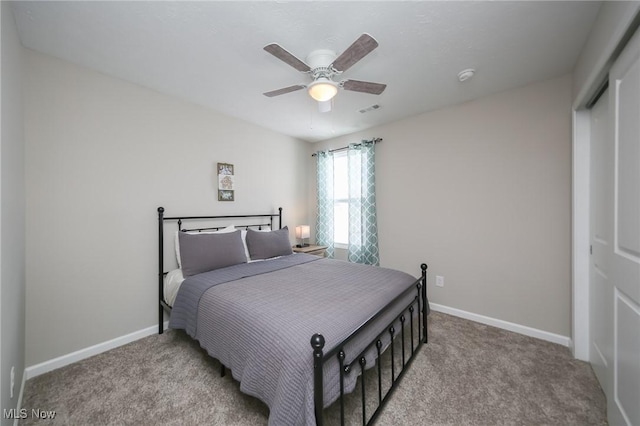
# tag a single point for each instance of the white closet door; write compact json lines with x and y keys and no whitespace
{"x":624,"y":88}
{"x":601,"y":237}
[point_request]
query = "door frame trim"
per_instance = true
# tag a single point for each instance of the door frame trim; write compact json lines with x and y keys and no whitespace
{"x":581,"y":180}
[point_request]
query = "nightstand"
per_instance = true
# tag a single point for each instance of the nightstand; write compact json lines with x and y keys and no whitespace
{"x":311,"y":249}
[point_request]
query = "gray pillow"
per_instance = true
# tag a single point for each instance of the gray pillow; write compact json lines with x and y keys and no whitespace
{"x":206,"y":252}
{"x":263,"y":245}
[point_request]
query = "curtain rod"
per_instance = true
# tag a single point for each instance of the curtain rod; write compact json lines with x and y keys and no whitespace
{"x":375,"y":140}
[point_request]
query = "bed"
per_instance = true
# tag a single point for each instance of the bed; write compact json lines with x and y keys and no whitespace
{"x":295,"y":330}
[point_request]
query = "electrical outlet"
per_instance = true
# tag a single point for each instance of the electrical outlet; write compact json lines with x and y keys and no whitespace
{"x":13,"y":381}
{"x":439,"y":281}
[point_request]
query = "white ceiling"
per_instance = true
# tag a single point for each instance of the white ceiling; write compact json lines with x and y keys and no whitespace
{"x":211,"y":52}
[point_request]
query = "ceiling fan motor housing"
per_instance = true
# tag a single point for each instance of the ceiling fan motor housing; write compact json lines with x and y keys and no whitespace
{"x":319,"y":62}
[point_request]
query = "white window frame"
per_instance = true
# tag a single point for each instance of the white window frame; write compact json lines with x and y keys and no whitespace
{"x":339,"y":156}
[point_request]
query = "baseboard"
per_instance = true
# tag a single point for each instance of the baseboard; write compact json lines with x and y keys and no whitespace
{"x":45,"y":367}
{"x":505,"y":325}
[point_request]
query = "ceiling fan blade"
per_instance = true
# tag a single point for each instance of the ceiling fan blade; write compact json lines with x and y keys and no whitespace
{"x":286,"y":57}
{"x":364,"y":86}
{"x":284,"y":90}
{"x":358,"y":50}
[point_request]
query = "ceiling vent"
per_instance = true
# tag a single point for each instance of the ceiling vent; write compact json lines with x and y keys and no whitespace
{"x":369,"y":109}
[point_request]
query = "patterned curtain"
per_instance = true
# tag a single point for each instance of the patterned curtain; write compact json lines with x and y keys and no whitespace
{"x":363,"y":226}
{"x":324,"y":220}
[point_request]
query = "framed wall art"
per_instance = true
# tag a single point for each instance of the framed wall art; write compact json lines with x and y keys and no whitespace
{"x":225,"y":182}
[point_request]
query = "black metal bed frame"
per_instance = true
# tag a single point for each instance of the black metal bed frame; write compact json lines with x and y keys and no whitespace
{"x":418,"y":307}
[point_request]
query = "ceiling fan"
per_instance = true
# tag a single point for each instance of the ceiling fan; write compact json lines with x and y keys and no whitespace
{"x":322,"y":65}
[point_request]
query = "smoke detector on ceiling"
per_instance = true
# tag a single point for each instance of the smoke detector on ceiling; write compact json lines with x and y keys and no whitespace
{"x":465,"y":75}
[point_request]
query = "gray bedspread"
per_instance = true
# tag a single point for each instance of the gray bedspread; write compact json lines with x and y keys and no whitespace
{"x":185,"y":307}
{"x":259,"y":326}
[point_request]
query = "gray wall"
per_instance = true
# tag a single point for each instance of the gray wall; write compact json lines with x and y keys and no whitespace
{"x":12,"y":210}
{"x":101,"y":155}
{"x":481,"y":192}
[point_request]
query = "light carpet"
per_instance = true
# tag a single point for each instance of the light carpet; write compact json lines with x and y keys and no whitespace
{"x":468,"y":374}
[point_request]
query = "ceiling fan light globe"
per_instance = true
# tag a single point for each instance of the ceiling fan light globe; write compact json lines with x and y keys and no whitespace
{"x":322,"y":90}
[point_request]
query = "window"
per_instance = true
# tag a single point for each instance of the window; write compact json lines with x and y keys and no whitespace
{"x":340,"y":198}
{"x":347,"y":203}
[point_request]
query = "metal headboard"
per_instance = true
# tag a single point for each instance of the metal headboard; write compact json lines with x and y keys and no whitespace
{"x":180,"y":220}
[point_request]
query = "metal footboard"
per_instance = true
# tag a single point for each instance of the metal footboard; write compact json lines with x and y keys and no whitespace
{"x":419,"y":308}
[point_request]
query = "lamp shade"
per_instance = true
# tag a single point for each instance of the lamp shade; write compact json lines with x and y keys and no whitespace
{"x":322,"y":89}
{"x":303,"y":231}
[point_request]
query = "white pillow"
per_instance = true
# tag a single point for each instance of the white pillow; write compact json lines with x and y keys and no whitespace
{"x":230,"y":228}
{"x":172,"y":283}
